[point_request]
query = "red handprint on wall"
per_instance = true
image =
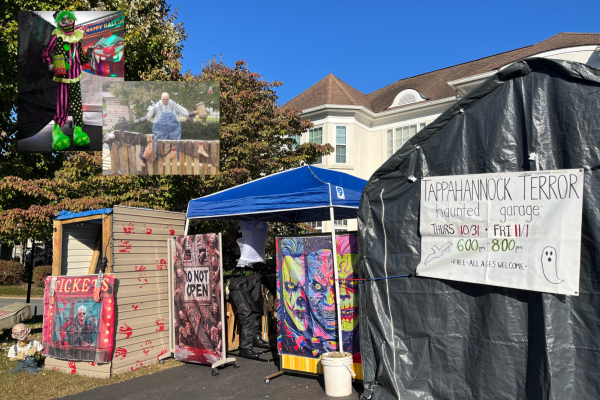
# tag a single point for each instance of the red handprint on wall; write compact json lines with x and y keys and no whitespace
{"x":126,"y":246}
{"x":129,"y":228}
{"x":73,"y":368}
{"x":121,"y":352}
{"x":161,"y":325}
{"x":126,"y":330}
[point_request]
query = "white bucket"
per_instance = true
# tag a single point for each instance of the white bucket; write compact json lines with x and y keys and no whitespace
{"x":338,"y":375}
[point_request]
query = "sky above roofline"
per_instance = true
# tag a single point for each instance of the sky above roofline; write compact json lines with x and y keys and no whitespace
{"x":369,"y":45}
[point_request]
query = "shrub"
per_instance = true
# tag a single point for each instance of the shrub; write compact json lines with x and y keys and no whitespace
{"x":11,"y":272}
{"x":40,"y":273}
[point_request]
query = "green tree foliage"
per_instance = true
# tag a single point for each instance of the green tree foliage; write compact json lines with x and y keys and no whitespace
{"x":255,"y":142}
{"x":255,"y":134}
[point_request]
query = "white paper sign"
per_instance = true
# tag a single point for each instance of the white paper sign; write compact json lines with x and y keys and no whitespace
{"x":520,"y":230}
{"x":197,"y":285}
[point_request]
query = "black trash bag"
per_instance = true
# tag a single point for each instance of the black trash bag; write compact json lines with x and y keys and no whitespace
{"x":245,"y":292}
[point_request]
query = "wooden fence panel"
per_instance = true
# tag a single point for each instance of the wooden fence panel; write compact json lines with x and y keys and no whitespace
{"x":125,"y":156}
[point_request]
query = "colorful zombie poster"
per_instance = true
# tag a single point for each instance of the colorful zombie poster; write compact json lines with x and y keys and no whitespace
{"x":347,"y":256}
{"x":107,"y":37}
{"x":197,"y":289}
{"x":76,"y":326}
{"x":306,"y":311}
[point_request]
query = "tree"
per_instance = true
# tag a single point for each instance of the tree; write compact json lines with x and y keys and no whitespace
{"x":256,"y":140}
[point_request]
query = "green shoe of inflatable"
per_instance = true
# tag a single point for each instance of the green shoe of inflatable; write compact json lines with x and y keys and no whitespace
{"x":59,"y":140}
{"x":80,"y":137}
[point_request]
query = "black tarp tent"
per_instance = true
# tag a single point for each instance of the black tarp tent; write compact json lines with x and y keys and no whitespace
{"x":455,"y":340}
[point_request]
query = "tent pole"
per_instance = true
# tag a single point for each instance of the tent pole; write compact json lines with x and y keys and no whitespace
{"x":295,"y":222}
{"x":338,"y":304}
{"x":187,"y":225}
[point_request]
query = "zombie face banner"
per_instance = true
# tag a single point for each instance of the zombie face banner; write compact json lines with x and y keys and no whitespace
{"x":306,"y":310}
{"x":197,"y":304}
{"x":76,"y":326}
{"x":108,"y":40}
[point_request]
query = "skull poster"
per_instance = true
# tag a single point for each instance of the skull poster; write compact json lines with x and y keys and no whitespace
{"x":76,"y":327}
{"x":306,"y":309}
{"x":197,"y":287}
{"x":107,"y":38}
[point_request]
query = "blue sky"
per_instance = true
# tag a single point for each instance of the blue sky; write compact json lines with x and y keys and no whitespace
{"x":368,"y":44}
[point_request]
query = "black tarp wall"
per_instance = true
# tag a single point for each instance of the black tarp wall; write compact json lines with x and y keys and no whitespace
{"x":455,"y":340}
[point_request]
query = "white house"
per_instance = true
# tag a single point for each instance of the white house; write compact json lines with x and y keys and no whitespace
{"x":366,"y":129}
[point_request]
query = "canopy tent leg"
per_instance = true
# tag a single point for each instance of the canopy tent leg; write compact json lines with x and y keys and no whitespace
{"x":295,"y":222}
{"x":187,"y":225}
{"x":338,"y":308}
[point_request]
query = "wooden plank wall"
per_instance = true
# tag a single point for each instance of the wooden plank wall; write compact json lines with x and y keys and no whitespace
{"x":140,"y":267}
{"x":193,"y":163}
{"x":78,"y":246}
{"x":125,"y":159}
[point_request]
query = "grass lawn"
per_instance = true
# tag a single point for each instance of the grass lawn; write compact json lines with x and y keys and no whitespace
{"x":49,"y":384}
{"x":21,"y":291}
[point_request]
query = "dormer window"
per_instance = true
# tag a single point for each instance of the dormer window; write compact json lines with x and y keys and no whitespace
{"x":408,"y":96}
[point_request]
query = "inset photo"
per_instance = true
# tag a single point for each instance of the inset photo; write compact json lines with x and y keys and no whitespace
{"x":64,"y":57}
{"x":161,"y":128}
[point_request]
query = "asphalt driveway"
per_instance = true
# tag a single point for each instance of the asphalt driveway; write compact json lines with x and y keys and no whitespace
{"x":191,"y":381}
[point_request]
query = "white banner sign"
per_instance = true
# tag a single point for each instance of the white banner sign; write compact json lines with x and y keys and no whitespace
{"x":520,"y":230}
{"x":197,"y":285}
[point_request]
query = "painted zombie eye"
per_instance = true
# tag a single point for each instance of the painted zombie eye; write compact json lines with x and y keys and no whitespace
{"x":318,"y":286}
{"x":290,"y":286}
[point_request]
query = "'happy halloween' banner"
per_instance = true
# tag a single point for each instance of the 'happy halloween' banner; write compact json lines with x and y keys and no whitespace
{"x":76,"y":327}
{"x":108,"y":40}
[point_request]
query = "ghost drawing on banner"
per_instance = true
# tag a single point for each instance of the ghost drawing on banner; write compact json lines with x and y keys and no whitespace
{"x":550,"y":265}
{"x":438,"y":252}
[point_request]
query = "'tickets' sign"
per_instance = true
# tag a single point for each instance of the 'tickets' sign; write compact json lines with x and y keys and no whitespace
{"x":520,"y":230}
{"x":76,"y":326}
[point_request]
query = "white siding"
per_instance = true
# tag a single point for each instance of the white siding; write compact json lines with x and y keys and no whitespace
{"x":78,"y":245}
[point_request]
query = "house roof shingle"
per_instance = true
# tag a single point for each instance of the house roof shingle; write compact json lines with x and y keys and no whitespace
{"x":433,"y":85}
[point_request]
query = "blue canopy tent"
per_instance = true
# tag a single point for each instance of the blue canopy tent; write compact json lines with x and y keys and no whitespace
{"x":304,"y":194}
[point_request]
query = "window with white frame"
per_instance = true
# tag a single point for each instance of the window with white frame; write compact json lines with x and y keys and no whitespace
{"x":341,"y":224}
{"x":315,"y":135}
{"x":317,"y":225}
{"x":340,"y":145}
{"x":396,"y":137}
{"x":297,"y":138}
